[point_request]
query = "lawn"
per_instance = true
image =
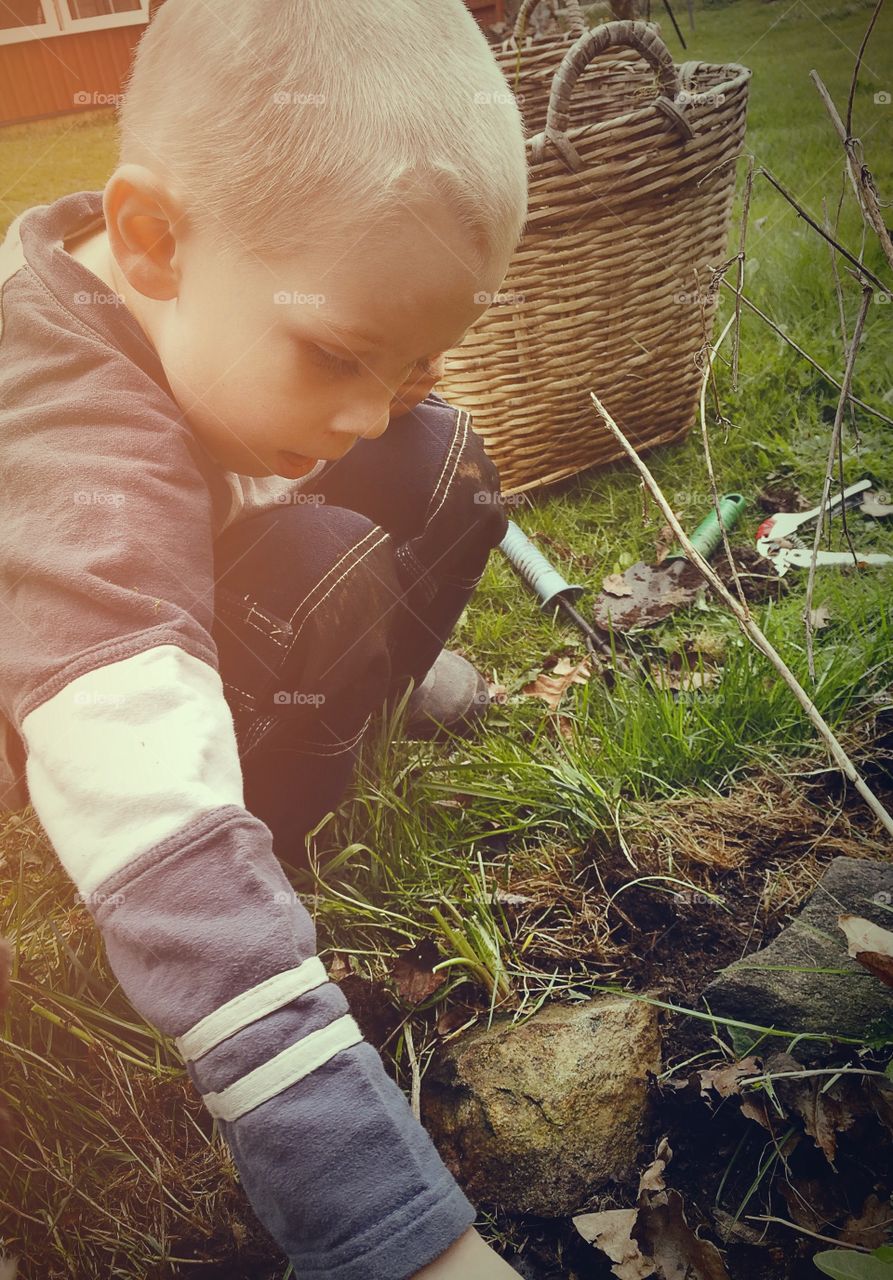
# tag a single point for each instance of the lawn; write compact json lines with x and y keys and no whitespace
{"x":116,"y":1170}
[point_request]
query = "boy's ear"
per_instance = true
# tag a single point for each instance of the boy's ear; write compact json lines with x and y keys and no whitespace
{"x":144,"y":219}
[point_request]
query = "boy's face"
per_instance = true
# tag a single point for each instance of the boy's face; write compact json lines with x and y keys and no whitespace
{"x":277,"y":364}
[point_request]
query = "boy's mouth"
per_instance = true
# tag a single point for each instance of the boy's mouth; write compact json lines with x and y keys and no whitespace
{"x":294,"y":465}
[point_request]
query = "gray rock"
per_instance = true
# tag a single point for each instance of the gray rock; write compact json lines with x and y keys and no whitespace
{"x":804,"y":980}
{"x":534,"y":1117}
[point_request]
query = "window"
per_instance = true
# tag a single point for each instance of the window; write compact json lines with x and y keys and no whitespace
{"x":27,"y":20}
{"x":101,"y":8}
{"x":36,"y":19}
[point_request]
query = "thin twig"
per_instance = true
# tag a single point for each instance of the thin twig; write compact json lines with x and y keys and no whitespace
{"x":857,"y":263}
{"x":838,"y":290}
{"x":829,"y":377}
{"x":783,"y":1222}
{"x":852,"y":95}
{"x":705,"y":439}
{"x":750,"y":628}
{"x":860,"y":175}
{"x":742,"y":236}
{"x":838,"y":287}
{"x":867,"y":294}
{"x":415,"y":1090}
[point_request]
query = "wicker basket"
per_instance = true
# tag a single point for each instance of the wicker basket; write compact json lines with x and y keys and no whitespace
{"x":529,"y":63}
{"x":627,"y":216}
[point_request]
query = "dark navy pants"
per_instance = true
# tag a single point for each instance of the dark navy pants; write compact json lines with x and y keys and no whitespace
{"x":328,"y":605}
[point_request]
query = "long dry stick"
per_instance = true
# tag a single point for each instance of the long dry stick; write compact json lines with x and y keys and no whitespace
{"x":749,"y":627}
{"x":829,"y":377}
{"x":867,"y":294}
{"x":838,"y":288}
{"x":792,"y":200}
{"x":708,"y":457}
{"x":852,"y":95}
{"x":742,"y":237}
{"x":859,"y":173}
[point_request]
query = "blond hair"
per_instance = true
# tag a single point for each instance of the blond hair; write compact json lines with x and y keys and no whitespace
{"x":282,"y":121}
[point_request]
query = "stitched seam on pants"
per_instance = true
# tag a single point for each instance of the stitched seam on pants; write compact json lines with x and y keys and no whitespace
{"x":359,"y":560}
{"x":236,"y":614}
{"x":317,"y":586}
{"x":462,"y":419}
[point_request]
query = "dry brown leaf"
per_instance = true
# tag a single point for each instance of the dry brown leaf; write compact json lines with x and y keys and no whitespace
{"x":412,"y":973}
{"x":610,"y":1232}
{"x":870,"y":945}
{"x":616,"y":585}
{"x":339,"y":967}
{"x":820,"y":618}
{"x":653,"y":1177}
{"x":825,"y":1112}
{"x":665,"y":539}
{"x":551,"y":689}
{"x":663,"y":1234}
{"x":726,"y":1079}
{"x":870,"y":1228}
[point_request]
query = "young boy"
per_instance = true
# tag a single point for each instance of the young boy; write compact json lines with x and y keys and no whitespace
{"x":237,"y":519}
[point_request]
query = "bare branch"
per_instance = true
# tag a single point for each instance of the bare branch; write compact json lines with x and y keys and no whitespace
{"x":857,"y":263}
{"x":852,"y":98}
{"x":867,"y":294}
{"x":860,"y":174}
{"x":829,"y":377}
{"x":750,"y":628}
{"x":742,"y":236}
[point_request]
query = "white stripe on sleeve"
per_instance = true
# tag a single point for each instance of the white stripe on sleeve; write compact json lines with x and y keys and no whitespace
{"x":246,"y":1008}
{"x":289,"y":1066}
{"x":127,"y":754}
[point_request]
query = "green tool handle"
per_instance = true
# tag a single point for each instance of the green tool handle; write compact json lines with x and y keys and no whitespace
{"x":708,"y":535}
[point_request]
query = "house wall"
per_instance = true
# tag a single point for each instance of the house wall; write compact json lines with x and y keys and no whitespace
{"x":85,"y":70}
{"x":66,"y":73}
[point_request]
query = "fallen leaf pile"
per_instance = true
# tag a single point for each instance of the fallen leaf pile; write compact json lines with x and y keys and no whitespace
{"x":654,"y":1239}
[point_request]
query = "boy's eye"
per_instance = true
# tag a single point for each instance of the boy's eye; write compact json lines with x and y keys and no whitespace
{"x":334,"y":363}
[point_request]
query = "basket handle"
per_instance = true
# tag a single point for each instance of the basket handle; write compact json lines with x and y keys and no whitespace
{"x":631,"y":35}
{"x":574,"y":10}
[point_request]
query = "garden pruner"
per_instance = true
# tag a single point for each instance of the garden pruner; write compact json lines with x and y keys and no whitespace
{"x":778,"y":539}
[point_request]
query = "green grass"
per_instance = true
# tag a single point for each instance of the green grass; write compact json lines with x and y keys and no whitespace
{"x":427,"y":833}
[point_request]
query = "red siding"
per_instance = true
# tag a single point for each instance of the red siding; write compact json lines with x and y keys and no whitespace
{"x":43,"y":77}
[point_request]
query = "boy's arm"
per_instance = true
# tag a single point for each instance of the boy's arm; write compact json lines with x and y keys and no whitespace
{"x":108,"y":674}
